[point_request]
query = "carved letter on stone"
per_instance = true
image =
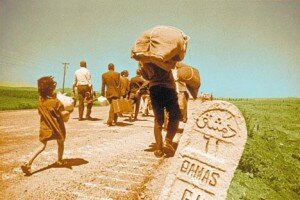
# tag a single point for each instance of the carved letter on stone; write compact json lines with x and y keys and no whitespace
{"x":208,"y":153}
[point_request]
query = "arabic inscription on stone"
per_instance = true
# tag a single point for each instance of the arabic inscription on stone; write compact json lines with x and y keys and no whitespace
{"x":208,"y":153}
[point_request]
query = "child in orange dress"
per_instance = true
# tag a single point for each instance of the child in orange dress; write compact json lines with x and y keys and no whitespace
{"x":52,"y":120}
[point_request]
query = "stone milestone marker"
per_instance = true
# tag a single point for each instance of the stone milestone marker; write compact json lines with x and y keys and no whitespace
{"x":208,"y":153}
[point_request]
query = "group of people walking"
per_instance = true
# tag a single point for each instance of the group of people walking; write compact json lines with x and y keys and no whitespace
{"x":114,"y":86}
{"x":168,"y":96}
{"x":163,"y":87}
{"x":154,"y":78}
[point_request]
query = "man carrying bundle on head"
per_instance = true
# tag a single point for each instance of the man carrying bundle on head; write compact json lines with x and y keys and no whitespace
{"x":158,"y":50}
{"x":163,"y":96}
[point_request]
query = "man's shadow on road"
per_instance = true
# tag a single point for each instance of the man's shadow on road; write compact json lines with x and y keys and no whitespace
{"x":92,"y":119}
{"x":128,"y":120}
{"x":122,"y":124}
{"x":67,"y":163}
{"x":151,"y":148}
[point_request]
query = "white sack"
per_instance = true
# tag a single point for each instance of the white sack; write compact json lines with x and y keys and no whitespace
{"x":103,"y":101}
{"x":68,"y":102}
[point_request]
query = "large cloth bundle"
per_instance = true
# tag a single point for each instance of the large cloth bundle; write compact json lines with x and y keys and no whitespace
{"x":122,"y":106}
{"x":161,"y":45}
{"x":190,"y":76}
{"x":68,"y":102}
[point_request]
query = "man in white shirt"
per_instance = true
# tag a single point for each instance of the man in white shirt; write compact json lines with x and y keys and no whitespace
{"x":82,"y":80}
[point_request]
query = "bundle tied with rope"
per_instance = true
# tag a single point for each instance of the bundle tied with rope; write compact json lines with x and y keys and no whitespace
{"x":162,"y":45}
{"x":190,"y":76}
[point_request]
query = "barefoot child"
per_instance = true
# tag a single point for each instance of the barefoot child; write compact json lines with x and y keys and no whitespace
{"x":52,"y":120}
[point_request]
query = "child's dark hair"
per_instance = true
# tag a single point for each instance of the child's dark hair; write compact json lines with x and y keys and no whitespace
{"x":46,"y":86}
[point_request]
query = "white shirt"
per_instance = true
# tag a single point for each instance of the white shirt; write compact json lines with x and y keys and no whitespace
{"x":180,"y":86}
{"x":82,"y":77}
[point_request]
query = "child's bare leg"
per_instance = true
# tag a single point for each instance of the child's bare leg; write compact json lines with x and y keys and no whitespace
{"x":37,"y":152}
{"x":61,"y":146}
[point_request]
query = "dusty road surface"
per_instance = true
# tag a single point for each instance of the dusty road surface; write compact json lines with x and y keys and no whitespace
{"x":101,"y":162}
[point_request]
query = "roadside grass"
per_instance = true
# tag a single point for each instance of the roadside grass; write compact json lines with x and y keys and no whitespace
{"x":270,"y":165}
{"x":17,"y":98}
{"x":17,"y":103}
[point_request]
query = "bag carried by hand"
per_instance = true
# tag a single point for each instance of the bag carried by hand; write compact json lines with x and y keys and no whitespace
{"x":122,"y":106}
{"x":103,"y":101}
{"x":68,"y":102}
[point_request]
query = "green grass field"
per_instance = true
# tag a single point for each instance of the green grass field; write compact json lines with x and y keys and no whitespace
{"x":270,"y":165}
{"x":16,"y":98}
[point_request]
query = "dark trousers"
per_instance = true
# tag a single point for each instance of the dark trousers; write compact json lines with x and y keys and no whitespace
{"x":164,"y":98}
{"x":82,"y":90}
{"x":111,"y":115}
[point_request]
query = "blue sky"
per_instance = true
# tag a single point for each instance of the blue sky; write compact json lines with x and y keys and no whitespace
{"x":242,"y":48}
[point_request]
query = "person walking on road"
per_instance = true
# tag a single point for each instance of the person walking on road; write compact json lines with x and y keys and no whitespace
{"x":111,"y":81}
{"x":136,"y":84}
{"x":52,"y":127}
{"x":182,"y":93}
{"x":82,"y":80}
{"x":163,"y":96}
{"x":125,"y":84}
{"x":145,"y":99}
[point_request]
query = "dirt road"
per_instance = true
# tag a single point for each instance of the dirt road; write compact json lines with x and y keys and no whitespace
{"x":102,"y":162}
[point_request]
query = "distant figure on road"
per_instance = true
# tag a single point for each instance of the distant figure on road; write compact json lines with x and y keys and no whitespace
{"x":125,"y":84}
{"x":182,"y":93}
{"x":111,"y":80}
{"x":82,"y":80}
{"x":206,"y":97}
{"x":53,"y":115}
{"x":136,"y":84}
{"x":163,"y":96}
{"x":145,"y":106}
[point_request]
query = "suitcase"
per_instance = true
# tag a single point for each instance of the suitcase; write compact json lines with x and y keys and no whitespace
{"x":122,"y":106}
